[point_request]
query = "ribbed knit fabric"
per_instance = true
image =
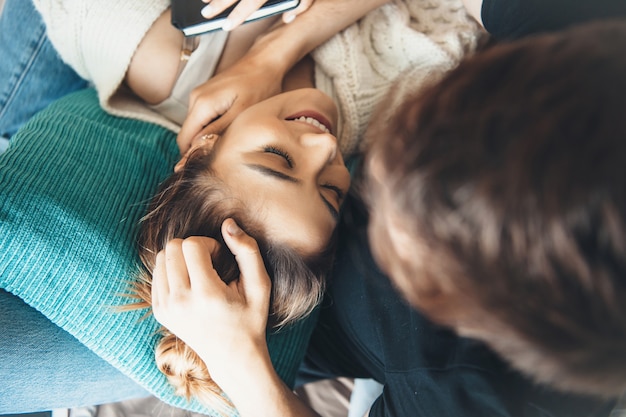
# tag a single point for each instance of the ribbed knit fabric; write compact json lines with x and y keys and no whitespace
{"x":73,"y":185}
{"x":98,"y":40}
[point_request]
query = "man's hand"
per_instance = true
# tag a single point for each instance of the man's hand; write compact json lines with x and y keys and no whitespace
{"x":221,"y":322}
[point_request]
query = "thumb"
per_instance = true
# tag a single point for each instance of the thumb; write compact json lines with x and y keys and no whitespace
{"x":203,"y":110}
{"x":254,"y":278}
{"x":222,"y":122}
{"x":303,"y":6}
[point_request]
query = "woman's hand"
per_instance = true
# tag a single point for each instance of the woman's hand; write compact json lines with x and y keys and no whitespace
{"x":214,"y":104}
{"x":259,"y":74}
{"x":245,"y":8}
{"x":222,"y":323}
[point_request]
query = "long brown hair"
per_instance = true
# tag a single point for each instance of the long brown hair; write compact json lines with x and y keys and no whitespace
{"x":509,"y":177}
{"x":194,"y":202}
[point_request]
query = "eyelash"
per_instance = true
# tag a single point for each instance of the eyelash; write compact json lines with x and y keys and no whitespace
{"x":336,"y":189}
{"x":280,"y":152}
{"x":285,"y":154}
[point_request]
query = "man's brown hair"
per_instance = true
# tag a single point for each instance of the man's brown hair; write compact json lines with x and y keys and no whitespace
{"x":509,"y":177}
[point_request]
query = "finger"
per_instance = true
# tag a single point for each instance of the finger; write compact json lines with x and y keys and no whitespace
{"x":198,"y":251}
{"x":202,"y":111}
{"x":241,"y":12}
{"x":193,"y":124}
{"x":254,"y":277}
{"x":176,"y":269}
{"x":303,"y":6}
{"x":217,"y":127}
{"x":220,"y":124}
{"x":159,"y":284}
{"x":186,"y":136}
{"x":215,"y":7}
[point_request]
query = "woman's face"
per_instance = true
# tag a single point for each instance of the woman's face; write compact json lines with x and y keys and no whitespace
{"x":280,"y":158}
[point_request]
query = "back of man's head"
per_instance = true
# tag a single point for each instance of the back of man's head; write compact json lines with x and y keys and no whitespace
{"x":508,"y":179}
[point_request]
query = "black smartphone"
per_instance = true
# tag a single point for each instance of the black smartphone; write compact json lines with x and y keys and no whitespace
{"x":187,"y":17}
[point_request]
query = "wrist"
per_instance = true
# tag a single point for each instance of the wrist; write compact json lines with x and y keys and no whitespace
{"x":274,"y":51}
{"x":249,"y":380}
{"x":242,"y":360}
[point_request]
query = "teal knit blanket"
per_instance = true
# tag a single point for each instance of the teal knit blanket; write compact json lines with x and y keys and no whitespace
{"x":73,"y":185}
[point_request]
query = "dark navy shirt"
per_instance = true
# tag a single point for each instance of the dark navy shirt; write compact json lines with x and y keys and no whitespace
{"x":510,"y":19}
{"x":366,"y":329}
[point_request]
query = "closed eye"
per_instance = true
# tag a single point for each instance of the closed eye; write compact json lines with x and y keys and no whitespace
{"x":337,"y":190}
{"x":281,"y":152}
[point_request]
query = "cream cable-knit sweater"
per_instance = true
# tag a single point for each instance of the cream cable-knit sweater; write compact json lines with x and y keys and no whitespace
{"x":98,"y":39}
{"x":356,"y":67}
{"x":414,"y":39}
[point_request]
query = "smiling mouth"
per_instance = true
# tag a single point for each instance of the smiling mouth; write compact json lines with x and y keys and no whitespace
{"x":314,"y":119}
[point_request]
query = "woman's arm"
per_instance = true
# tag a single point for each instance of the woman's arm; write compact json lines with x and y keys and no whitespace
{"x":99,"y":38}
{"x":224,"y":323}
{"x":287,"y":44}
{"x":259,"y":73}
{"x":160,"y":48}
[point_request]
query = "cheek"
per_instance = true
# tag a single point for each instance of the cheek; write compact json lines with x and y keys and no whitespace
{"x":398,"y":255}
{"x":394,"y":240}
{"x":385,"y":251}
{"x":388,"y":261}
{"x":308,"y":232}
{"x":408,"y":251}
{"x":379,"y":243}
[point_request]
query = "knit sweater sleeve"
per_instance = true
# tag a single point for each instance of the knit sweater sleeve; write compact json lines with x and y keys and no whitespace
{"x":98,"y":38}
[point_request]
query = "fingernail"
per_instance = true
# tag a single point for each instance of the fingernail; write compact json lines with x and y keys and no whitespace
{"x":207,"y":11}
{"x":233,"y":229}
{"x":228,"y":25}
{"x":289,"y":18}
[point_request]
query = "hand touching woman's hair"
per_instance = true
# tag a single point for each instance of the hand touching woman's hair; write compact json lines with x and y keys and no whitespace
{"x":194,"y":203}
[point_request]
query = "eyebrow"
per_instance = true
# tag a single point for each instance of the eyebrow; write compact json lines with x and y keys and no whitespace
{"x":284,"y":177}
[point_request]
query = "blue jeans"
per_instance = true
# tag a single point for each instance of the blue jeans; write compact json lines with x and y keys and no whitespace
{"x":44,"y":367}
{"x":32,"y":74}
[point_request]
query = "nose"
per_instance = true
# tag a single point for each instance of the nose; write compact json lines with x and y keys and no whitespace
{"x":322,"y":147}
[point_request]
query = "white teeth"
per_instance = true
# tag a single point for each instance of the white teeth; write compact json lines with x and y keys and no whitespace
{"x":313,"y":122}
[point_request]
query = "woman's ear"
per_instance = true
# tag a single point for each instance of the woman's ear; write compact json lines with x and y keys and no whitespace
{"x":206,"y":141}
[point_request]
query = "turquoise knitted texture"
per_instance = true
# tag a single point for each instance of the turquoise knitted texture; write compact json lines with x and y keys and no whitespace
{"x":73,"y":186}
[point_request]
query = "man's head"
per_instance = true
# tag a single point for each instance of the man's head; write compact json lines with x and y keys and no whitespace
{"x":499,"y":204}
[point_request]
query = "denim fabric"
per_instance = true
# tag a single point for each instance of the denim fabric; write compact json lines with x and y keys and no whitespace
{"x":44,"y":367}
{"x":31,"y":72}
{"x":4,"y":144}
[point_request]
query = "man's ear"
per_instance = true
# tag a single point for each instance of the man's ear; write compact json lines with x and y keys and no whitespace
{"x":206,"y":141}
